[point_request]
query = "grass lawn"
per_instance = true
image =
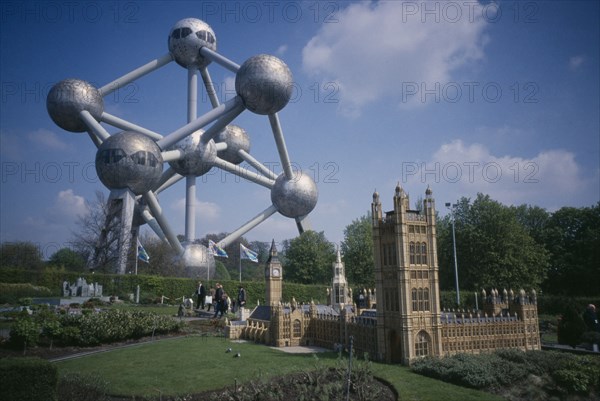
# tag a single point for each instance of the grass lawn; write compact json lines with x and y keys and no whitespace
{"x":194,"y":364}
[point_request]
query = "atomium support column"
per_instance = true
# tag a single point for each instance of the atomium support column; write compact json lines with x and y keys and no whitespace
{"x":121,"y":206}
{"x":190,"y":180}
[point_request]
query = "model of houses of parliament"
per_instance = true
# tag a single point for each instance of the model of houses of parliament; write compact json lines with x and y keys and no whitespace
{"x":401,"y":319}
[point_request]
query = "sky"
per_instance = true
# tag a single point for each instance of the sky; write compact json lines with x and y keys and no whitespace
{"x":500,"y":98}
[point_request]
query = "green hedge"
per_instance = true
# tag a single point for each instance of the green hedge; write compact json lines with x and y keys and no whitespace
{"x":153,"y":287}
{"x":555,"y":304}
{"x":27,"y":379}
{"x":11,"y":293}
{"x":562,"y":373}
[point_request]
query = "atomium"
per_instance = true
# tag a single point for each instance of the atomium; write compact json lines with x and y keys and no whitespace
{"x":137,"y":163}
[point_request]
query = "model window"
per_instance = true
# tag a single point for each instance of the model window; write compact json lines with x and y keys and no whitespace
{"x":415,"y":304}
{"x":139,"y":158}
{"x":297,"y":328}
{"x":110,"y":156}
{"x":151,"y":160}
{"x":422,"y":344}
{"x":185,"y":32}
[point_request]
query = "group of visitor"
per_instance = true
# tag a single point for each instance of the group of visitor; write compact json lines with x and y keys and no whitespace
{"x":218,"y":299}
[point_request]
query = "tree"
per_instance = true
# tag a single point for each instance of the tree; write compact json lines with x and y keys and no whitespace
{"x":357,"y":248}
{"x":534,"y":219}
{"x":163,"y":258}
{"x":572,"y":236}
{"x":309,"y":258}
{"x":493,"y":248}
{"x":24,"y":255}
{"x":91,"y":227}
{"x":68,"y":259}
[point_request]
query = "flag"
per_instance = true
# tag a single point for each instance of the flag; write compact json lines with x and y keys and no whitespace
{"x":246,"y":253}
{"x":216,"y":250}
{"x":142,"y":254}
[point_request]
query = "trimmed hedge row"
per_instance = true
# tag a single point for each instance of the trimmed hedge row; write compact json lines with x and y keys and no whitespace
{"x":153,"y":287}
{"x":561,"y":373}
{"x":27,"y":379}
{"x":11,"y":293}
{"x":90,"y":329}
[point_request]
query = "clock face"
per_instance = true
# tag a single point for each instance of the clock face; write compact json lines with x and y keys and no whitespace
{"x":275,"y":272}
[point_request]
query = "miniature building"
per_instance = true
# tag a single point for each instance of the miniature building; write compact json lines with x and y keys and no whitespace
{"x":401,"y":319}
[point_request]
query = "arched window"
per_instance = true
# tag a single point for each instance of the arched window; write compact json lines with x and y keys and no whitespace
{"x":415,"y":304}
{"x":412,"y":253}
{"x":422,"y":344}
{"x":426,"y":299}
{"x":420,"y":295}
{"x":297,"y":328}
{"x":424,"y":253}
{"x":418,"y":253}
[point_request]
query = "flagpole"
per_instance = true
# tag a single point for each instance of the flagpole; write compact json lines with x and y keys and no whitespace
{"x":240,"y":262}
{"x":137,"y":254}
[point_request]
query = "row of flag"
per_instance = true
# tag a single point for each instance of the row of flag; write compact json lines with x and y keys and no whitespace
{"x":213,"y":248}
{"x":245,"y":253}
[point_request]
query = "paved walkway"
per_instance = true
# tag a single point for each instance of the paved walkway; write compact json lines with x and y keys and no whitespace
{"x":301,"y":349}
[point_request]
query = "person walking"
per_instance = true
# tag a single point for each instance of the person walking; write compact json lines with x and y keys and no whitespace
{"x":591,"y":318}
{"x":201,"y":293}
{"x":219,"y":299}
{"x":241,"y":298}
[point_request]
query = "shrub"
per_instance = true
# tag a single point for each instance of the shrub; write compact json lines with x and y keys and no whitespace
{"x":320,"y":384}
{"x":112,"y":326}
{"x":25,"y":332}
{"x":561,"y":372}
{"x":27,"y":379}
{"x":77,"y":387}
{"x":577,"y":374}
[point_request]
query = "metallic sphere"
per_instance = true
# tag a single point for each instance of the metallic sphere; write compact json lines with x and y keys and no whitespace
{"x":236,"y":139}
{"x":198,"y":157}
{"x":197,"y":260}
{"x":264,"y":83}
{"x":68,"y":98}
{"x":296,"y":197}
{"x":186,"y":39}
{"x":129,"y":160}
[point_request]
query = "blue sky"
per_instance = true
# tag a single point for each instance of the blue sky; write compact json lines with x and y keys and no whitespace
{"x":500,"y":98}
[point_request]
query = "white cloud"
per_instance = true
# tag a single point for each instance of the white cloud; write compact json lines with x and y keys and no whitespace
{"x":205,"y":211}
{"x":550,"y":179}
{"x":48,"y":140}
{"x":53,"y":224}
{"x":69,"y":204}
{"x":377,"y":49}
{"x":281,"y":50}
{"x":575,"y":62}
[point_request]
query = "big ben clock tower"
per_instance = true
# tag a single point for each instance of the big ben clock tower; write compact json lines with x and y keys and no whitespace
{"x":273,"y":273}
